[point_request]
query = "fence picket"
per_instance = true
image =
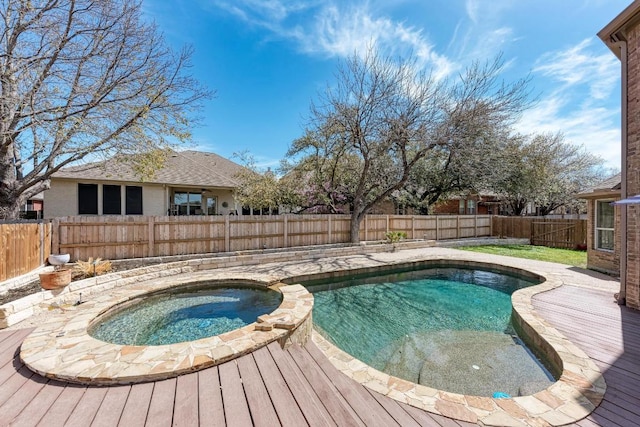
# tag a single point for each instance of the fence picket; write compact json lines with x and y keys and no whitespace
{"x":25,"y":246}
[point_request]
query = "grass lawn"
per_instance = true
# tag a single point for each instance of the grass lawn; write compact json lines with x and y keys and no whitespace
{"x":541,"y":253}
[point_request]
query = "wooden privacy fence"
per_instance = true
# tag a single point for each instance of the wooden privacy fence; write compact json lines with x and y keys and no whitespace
{"x":121,"y":237}
{"x":558,"y":233}
{"x":23,"y":247}
{"x":554,"y":233}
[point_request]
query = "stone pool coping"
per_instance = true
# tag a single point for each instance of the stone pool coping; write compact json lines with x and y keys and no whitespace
{"x":578,"y":392}
{"x":62,"y":349}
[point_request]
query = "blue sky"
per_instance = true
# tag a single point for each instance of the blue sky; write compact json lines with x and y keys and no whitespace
{"x":268,"y":59}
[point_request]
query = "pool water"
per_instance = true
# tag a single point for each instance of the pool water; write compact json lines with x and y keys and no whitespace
{"x":445,"y":328}
{"x":187,"y":316}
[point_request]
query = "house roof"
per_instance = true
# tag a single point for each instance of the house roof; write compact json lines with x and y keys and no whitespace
{"x":610,"y":186}
{"x":614,"y":31}
{"x":187,"y":168}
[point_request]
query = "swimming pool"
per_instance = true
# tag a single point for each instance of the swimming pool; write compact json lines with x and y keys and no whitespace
{"x":175,"y":316}
{"x":443,"y":327}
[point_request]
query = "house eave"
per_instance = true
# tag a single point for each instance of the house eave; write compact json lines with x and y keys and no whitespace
{"x":600,"y":194}
{"x":614,"y":31}
{"x":155,"y":183}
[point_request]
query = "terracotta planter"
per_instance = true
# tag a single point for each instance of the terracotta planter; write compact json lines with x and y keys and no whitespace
{"x":56,"y":279}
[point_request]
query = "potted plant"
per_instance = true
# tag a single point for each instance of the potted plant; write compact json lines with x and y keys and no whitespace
{"x":60,"y":276}
{"x":394,"y":237}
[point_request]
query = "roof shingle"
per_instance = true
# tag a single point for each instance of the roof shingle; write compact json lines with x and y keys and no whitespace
{"x":191,"y":168}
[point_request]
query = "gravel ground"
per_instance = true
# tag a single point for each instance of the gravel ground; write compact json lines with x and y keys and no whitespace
{"x":23,"y":291}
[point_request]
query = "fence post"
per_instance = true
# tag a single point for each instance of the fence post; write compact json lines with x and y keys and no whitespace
{"x":152,"y":235}
{"x":366,"y":228}
{"x":41,"y":236}
{"x":475,"y":226}
{"x":227,"y":237}
{"x":413,"y":226}
{"x":457,"y":226}
{"x":285,"y":225}
{"x":55,"y":236}
{"x":329,"y":228}
{"x":387,"y":224}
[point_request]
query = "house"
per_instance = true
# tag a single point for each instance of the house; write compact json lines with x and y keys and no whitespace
{"x":189,"y":183}
{"x":469,"y":204}
{"x":622,"y":36}
{"x":603,"y":226}
{"x":33,"y":209}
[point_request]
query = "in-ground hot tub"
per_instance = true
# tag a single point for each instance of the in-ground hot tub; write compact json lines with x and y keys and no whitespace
{"x":63,"y":349}
{"x":184,"y":314}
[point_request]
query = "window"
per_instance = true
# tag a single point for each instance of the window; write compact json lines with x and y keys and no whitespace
{"x":87,"y":199}
{"x":211,"y":206}
{"x":111,"y":200}
{"x":471,"y":207}
{"x":187,"y":203}
{"x":604,"y":225}
{"x":461,"y":207}
{"x":134,"y":200}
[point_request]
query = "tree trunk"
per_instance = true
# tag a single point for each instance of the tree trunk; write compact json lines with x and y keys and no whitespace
{"x":354,"y":230}
{"x":10,"y":204}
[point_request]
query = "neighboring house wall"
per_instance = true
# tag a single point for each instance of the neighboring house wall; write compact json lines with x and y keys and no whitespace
{"x":607,"y":261}
{"x":62,"y":198}
{"x":465,"y":206}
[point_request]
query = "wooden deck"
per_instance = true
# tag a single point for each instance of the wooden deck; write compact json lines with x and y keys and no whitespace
{"x":610,"y":335}
{"x":299,"y":386}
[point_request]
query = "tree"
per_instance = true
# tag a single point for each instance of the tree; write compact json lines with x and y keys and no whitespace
{"x":80,"y":78}
{"x":257,"y":189}
{"x":545,"y":170}
{"x":464,"y":166}
{"x":385,"y":116}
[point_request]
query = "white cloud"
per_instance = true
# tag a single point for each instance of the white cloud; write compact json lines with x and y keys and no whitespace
{"x":577,"y":66}
{"x":582,"y":102}
{"x":596,"y":128}
{"x":339,"y":29}
{"x":485,"y":35}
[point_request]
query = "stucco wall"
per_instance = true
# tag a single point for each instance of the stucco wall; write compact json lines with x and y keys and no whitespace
{"x":62,"y":198}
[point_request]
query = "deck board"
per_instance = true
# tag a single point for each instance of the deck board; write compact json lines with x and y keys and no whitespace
{"x":14,"y":405}
{"x":335,"y":403}
{"x":61,"y":409}
{"x":186,"y":407}
{"x":235,"y":406}
{"x":609,"y":334}
{"x":299,"y":386}
{"x":368,"y":409}
{"x":394,"y":409}
{"x":112,"y":406}
{"x":289,"y":384}
{"x":11,"y":386}
{"x":40,"y":405}
{"x":87,"y":407}
{"x":210,"y":407}
{"x":260,"y":403}
{"x":160,"y":412}
{"x":135,"y":409}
